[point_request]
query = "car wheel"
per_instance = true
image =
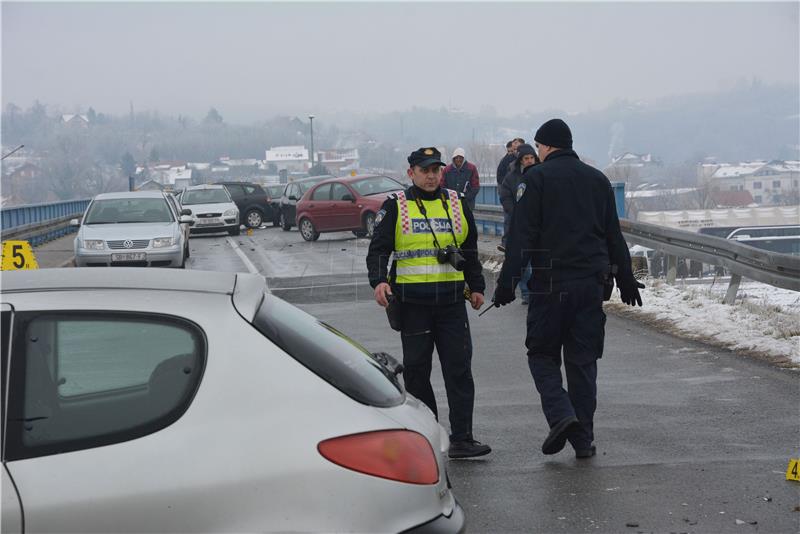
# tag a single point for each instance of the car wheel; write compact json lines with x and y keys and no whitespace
{"x":234,"y":231}
{"x":284,"y":223}
{"x":369,"y":224}
{"x":253,"y":218}
{"x":307,"y":230}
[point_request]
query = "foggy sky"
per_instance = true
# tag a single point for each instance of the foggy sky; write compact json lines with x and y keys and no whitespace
{"x":254,"y":60}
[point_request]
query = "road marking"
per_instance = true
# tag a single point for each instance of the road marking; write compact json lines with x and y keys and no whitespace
{"x":244,"y":258}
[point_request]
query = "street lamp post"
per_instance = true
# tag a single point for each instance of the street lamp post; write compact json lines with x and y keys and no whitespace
{"x":311,"y":119}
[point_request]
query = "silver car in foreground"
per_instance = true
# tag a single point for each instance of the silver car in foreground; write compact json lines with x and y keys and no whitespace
{"x":212,"y":208}
{"x":185,"y":401}
{"x":132,"y":229}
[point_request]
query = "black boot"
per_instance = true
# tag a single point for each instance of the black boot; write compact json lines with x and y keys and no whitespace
{"x":468,"y":448}
{"x":558,"y":435}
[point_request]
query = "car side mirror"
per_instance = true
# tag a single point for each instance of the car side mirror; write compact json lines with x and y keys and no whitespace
{"x":348,"y":197}
{"x":186,"y":211}
{"x":292,"y":197}
{"x":75,"y":222}
{"x":185,"y":219}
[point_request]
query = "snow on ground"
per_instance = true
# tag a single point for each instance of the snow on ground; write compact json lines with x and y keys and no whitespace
{"x":764,"y":320}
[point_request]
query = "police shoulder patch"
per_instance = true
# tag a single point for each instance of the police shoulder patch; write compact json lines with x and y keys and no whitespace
{"x":379,"y":216}
{"x":521,"y":190}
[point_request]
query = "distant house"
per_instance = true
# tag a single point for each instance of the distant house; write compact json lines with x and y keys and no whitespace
{"x":338,"y":161}
{"x":243,"y":162}
{"x":768,"y":182}
{"x":732,"y":199}
{"x":150,"y":185}
{"x":630,"y":159}
{"x":81,"y":121}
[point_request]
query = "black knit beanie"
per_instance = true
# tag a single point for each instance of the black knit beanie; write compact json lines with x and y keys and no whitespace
{"x":554,"y":133}
{"x":523,"y":150}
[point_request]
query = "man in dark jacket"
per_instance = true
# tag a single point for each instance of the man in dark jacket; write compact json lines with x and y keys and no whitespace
{"x":462,"y":176}
{"x":508,"y":159}
{"x":566,"y":223}
{"x":507,"y":190}
{"x":428,"y":289}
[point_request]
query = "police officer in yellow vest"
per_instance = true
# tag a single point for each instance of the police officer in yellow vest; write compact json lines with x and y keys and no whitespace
{"x":432,"y":235}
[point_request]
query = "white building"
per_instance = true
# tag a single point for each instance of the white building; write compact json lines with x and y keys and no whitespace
{"x":770,"y":182}
{"x":291,"y":158}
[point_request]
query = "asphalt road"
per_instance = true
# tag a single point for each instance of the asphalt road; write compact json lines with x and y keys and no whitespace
{"x":690,"y":438}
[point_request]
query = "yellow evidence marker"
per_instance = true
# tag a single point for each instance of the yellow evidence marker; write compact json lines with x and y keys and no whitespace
{"x":793,"y":471}
{"x":18,"y":255}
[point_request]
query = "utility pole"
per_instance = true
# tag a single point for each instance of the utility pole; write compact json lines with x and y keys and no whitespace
{"x":311,"y":119}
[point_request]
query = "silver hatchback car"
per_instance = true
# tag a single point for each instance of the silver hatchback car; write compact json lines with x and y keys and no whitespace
{"x":132,"y":229}
{"x":182,"y":401}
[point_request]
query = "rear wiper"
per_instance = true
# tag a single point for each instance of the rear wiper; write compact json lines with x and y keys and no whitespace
{"x":389,"y":362}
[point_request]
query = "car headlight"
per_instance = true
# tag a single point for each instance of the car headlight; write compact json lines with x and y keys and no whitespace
{"x":161,"y":242}
{"x":230,"y":213}
{"x":94,"y":244}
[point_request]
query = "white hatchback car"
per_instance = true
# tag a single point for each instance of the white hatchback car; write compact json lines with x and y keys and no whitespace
{"x":212,"y":208}
{"x":185,"y":401}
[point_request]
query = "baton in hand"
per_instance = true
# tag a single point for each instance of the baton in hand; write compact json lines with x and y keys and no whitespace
{"x":489,"y":308}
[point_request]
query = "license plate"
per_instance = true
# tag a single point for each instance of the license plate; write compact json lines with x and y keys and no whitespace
{"x":129,"y":256}
{"x":207,"y":222}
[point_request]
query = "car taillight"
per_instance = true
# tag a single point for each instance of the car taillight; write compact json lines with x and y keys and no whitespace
{"x":400,"y":455}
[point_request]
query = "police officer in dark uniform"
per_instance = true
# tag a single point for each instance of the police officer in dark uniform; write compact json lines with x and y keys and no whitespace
{"x":566,"y":223}
{"x":432,"y":235}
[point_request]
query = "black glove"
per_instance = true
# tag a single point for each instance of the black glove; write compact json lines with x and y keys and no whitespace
{"x":629,"y":293}
{"x":503,"y":296}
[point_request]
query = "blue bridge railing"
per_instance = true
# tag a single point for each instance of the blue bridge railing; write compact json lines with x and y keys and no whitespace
{"x":38,"y":223}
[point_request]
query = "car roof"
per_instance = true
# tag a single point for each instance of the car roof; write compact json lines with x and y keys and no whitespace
{"x":246,"y":289}
{"x":309,"y":178}
{"x":204,"y":186}
{"x":130,"y":194}
{"x":359,"y":177}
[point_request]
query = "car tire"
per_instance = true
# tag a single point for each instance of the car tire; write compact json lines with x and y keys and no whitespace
{"x":307,"y":230}
{"x":183,"y":260}
{"x":234,"y":231}
{"x":369,"y":225}
{"x":253,"y":218}
{"x":284,"y":223}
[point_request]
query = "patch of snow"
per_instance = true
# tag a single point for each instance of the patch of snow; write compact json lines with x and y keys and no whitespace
{"x":764,"y":319}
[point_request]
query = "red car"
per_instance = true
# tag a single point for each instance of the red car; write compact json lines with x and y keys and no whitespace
{"x":341,"y":204}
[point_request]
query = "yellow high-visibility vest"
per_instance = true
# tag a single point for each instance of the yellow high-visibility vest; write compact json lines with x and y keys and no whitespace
{"x":415,"y":249}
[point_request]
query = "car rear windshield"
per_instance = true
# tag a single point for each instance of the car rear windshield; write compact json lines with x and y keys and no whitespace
{"x":328,"y":353}
{"x":376,"y":186}
{"x":205,"y":196}
{"x":128,"y":210}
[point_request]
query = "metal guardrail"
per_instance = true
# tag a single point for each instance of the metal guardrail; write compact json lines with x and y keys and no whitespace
{"x":773,"y":268}
{"x":38,"y":223}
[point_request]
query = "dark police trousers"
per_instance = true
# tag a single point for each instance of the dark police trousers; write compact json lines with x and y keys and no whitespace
{"x":567,"y":315}
{"x":447,"y":327}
